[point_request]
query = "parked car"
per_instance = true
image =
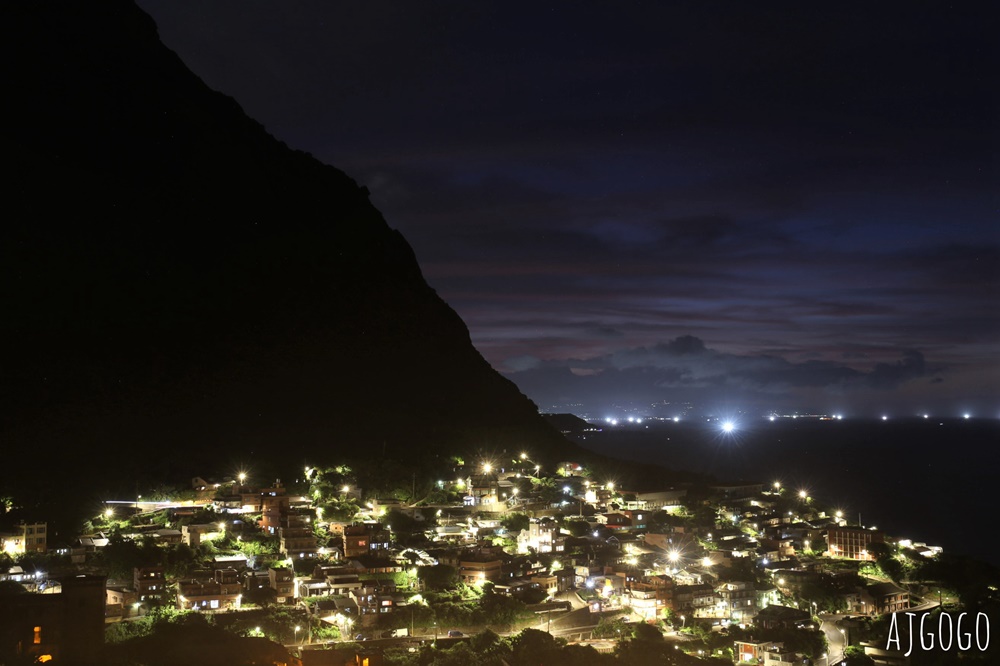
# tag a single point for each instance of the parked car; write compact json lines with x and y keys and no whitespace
{"x":454,"y":633}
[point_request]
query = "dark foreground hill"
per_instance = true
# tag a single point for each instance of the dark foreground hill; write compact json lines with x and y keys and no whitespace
{"x":181,"y":292}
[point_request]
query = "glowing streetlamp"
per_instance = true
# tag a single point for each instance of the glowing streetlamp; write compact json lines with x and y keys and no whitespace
{"x":242,"y":476}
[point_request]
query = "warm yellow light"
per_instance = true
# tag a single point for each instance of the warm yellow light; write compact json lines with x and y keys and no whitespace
{"x":524,"y":456}
{"x":487,"y":468}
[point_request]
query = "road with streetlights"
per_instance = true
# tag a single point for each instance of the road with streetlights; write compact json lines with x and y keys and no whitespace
{"x":835,"y":637}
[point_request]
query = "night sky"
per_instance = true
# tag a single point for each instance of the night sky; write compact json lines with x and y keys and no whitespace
{"x":759,"y":206}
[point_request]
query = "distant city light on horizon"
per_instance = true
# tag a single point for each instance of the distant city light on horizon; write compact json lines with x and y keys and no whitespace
{"x":728,"y":426}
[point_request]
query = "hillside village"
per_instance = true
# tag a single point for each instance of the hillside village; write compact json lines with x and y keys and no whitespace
{"x":737,"y":572}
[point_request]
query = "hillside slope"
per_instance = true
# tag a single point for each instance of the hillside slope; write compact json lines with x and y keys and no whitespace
{"x":182,"y":292}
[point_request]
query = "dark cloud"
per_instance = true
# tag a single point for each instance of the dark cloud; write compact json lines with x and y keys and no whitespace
{"x":808,"y":190}
{"x":685,"y":366}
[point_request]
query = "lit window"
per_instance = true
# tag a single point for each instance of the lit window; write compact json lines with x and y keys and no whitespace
{"x":38,"y":636}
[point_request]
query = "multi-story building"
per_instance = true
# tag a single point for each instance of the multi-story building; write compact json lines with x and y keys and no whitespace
{"x":150,"y":585}
{"x":282,"y":581}
{"x":365,"y":539}
{"x":63,"y":628}
{"x":766,"y":653}
{"x":220,"y":591}
{"x":297,"y":539}
{"x":274,"y":504}
{"x":474,"y":569}
{"x":25,"y":538}
{"x":852,"y":542}
{"x":738,"y":599}
{"x":885,"y":598}
{"x":538,"y":537}
{"x":694,"y":598}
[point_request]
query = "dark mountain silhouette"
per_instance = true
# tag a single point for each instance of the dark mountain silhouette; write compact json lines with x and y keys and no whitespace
{"x":182,"y":292}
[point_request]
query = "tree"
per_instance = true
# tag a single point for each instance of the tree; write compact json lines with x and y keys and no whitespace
{"x":515,"y":522}
{"x":646,"y":632}
{"x":577,"y":528}
{"x":438,"y":577}
{"x":856,"y":656}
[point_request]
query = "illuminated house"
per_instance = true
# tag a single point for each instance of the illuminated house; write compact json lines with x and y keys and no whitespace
{"x":886,"y":598}
{"x":539,"y":537}
{"x":24,"y":538}
{"x":691,"y":598}
{"x":476,"y":569}
{"x":64,"y":628}
{"x":365,"y":539}
{"x":764,"y":653}
{"x":282,"y":581}
{"x":193,"y":535}
{"x":296,"y":536}
{"x":222,"y":591}
{"x":274,"y":504}
{"x":150,"y":585}
{"x":614,"y":521}
{"x":738,"y":598}
{"x":852,"y":542}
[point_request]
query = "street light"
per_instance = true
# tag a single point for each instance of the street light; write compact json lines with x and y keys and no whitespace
{"x":297,"y":629}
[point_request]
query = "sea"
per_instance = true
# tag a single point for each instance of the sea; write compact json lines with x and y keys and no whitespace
{"x":931,"y":480}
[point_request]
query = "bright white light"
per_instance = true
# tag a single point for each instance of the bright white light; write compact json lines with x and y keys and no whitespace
{"x":885,"y":418}
{"x":638,"y":420}
{"x":840,"y":417}
{"x":728,"y":426}
{"x":770,"y":418}
{"x":966,"y":416}
{"x":631,"y":419}
{"x":614,"y":421}
{"x":676,"y":419}
{"x":926,"y":416}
